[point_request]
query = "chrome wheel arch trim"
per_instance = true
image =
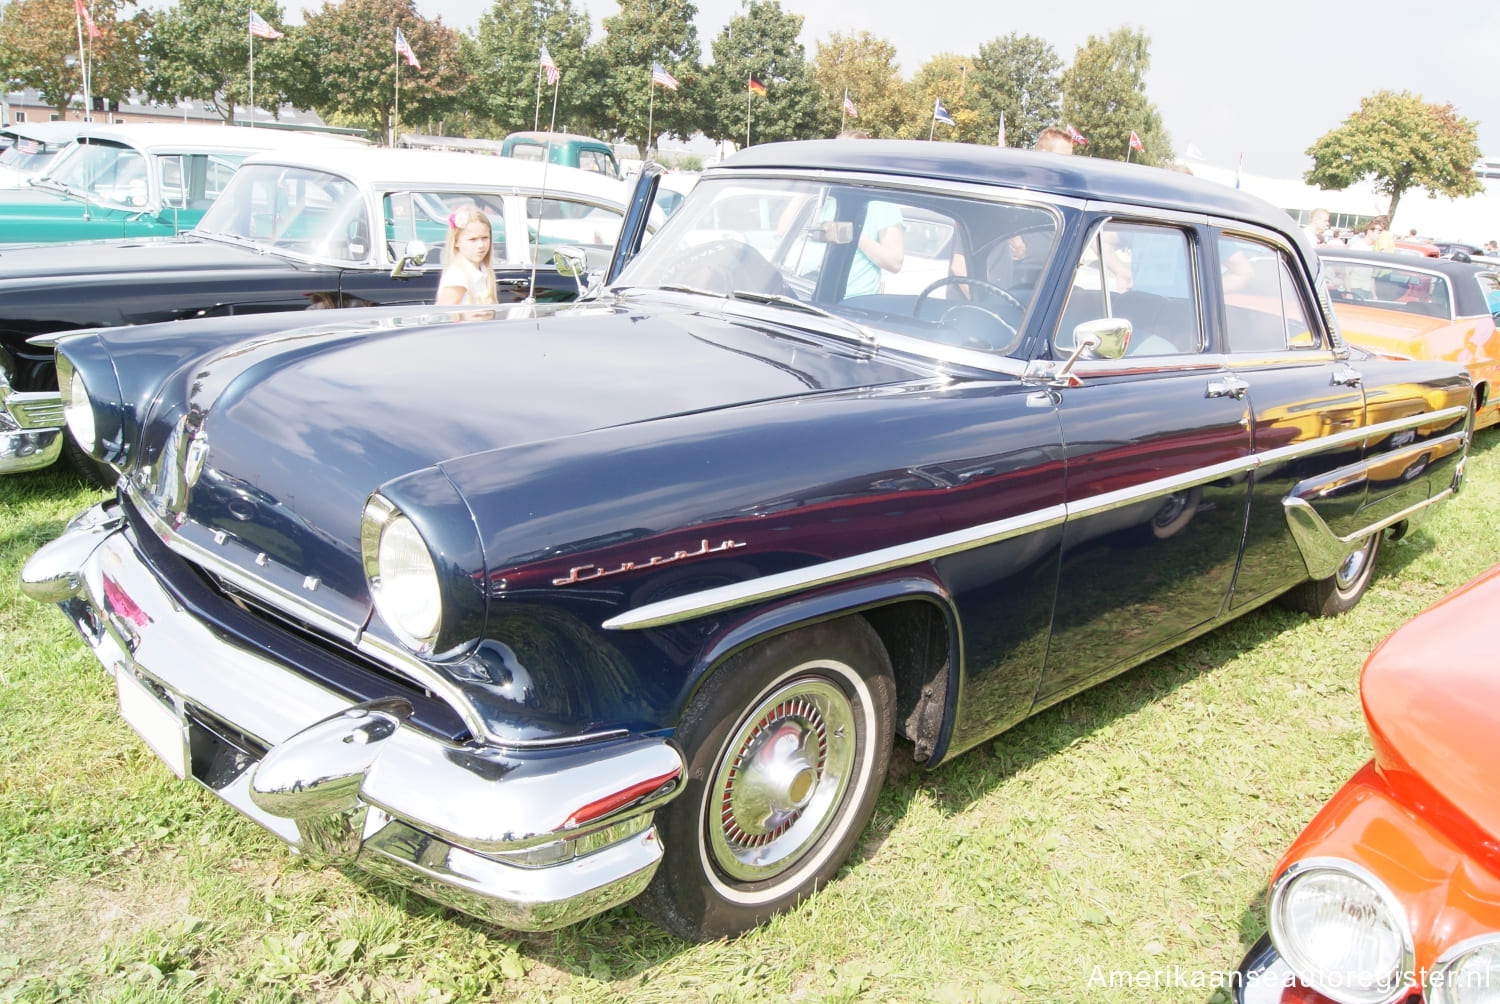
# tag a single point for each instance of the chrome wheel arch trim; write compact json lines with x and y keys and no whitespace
{"x":770,"y":587}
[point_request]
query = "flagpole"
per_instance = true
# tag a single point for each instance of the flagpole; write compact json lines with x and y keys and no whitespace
{"x":932,"y":126}
{"x":396,"y":112}
{"x":541,"y":204}
{"x":251,"y":112}
{"x":83,"y":66}
{"x":650,"y":115}
{"x":748,"y":96}
{"x":844,"y":112}
{"x":536,"y":116}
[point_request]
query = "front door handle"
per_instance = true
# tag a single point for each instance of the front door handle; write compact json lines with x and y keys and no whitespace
{"x":1229,"y":386}
{"x":1346,"y":376}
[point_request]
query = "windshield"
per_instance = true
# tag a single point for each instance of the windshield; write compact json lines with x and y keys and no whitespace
{"x":104,"y":172}
{"x":29,"y":156}
{"x":950,"y":269}
{"x":293,"y":209}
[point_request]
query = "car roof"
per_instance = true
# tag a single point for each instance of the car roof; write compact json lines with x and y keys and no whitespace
{"x":1079,"y":177}
{"x":384,"y":167}
{"x":47,"y":132}
{"x":1470,"y":297}
{"x":168,"y":137}
{"x":558,"y":137}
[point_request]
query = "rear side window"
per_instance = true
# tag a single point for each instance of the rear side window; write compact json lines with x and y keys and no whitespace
{"x":1264,"y":310}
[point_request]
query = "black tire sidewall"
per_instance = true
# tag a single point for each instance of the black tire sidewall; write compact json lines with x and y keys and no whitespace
{"x":688,"y":896}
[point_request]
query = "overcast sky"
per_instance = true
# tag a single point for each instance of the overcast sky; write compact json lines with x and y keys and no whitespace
{"x":1263,"y":78}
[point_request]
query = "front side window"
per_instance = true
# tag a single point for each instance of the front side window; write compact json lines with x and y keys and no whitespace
{"x":1264,"y":310}
{"x":1141,"y":273}
{"x":945,"y":268}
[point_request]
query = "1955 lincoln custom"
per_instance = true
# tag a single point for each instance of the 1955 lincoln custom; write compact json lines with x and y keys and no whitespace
{"x":556,"y":607}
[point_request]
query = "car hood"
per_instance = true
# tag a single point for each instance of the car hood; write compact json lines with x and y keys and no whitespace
{"x":292,"y":452}
{"x":109,"y":262}
{"x":1432,"y":701}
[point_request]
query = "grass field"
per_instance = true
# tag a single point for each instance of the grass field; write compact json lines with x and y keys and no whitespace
{"x":1131,"y":828}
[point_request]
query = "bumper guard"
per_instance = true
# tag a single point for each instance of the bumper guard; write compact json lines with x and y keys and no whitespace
{"x":529,"y":839}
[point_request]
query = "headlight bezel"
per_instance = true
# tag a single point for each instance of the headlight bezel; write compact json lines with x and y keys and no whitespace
{"x":1439,"y":989}
{"x":382,"y":516}
{"x":83,"y":361}
{"x":1308,"y":973}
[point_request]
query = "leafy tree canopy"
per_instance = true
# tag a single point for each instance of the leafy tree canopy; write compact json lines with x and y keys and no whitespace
{"x":39,"y":41}
{"x":1401,"y":142}
{"x":866,"y":66}
{"x":509,"y":87}
{"x":630,"y":106}
{"x":1104,"y":97}
{"x":199,"y":51}
{"x":761,"y":43}
{"x":343,"y":62}
{"x":1018,"y":76}
{"x":945,"y":77}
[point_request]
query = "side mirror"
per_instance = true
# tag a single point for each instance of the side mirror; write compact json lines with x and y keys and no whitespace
{"x":1105,"y":338}
{"x":409,"y":263}
{"x":573,"y":262}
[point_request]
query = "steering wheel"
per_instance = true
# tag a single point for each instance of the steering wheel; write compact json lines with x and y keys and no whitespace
{"x":966,"y":280}
{"x":954,"y":316}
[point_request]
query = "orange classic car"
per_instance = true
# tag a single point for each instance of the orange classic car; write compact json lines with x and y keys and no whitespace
{"x":1396,"y":305}
{"x":1392,"y":892}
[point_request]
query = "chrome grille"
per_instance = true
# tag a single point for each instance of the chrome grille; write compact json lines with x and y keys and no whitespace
{"x":36,"y":409}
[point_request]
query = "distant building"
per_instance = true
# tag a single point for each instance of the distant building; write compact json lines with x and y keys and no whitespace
{"x":27,"y":106}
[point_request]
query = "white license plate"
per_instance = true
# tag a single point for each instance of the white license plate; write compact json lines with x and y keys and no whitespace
{"x":155,"y":722}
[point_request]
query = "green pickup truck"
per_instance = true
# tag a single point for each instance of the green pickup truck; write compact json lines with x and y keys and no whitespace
{"x":567,"y":149}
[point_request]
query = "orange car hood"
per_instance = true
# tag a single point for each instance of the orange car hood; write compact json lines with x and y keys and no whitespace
{"x":1432,"y":699}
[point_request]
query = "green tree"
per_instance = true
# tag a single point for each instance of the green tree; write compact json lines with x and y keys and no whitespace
{"x":342,"y":63}
{"x":866,"y":66}
{"x":39,"y":49}
{"x":506,"y":63}
{"x":1018,"y":76}
{"x":1104,"y":97}
{"x":200,"y":50}
{"x":628,"y":104}
{"x":945,"y":77}
{"x":762,"y":43}
{"x":1402,"y":142}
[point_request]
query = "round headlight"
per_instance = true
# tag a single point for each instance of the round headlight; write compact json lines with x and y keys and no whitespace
{"x":403,"y":578}
{"x":1342,"y":932}
{"x":1468,"y":973}
{"x":78,"y":412}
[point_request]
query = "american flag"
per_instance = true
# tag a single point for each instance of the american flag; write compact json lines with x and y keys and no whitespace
{"x":549,"y":66}
{"x":403,"y":48}
{"x":1076,"y":137}
{"x":849,"y":105}
{"x":1135,"y":142}
{"x":88,"y":21}
{"x":659,"y":75}
{"x":260,"y":29}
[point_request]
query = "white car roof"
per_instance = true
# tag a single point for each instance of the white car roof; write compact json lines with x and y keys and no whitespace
{"x":172,"y":137}
{"x":47,"y":132}
{"x":393,"y":169}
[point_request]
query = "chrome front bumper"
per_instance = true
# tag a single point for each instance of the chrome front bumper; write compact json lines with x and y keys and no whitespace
{"x":31,"y":428}
{"x":529,"y":839}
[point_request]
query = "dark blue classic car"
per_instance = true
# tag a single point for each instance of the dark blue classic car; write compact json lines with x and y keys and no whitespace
{"x":559,"y":607}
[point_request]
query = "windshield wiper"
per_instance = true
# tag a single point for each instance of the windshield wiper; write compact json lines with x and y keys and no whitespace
{"x":863,"y":335}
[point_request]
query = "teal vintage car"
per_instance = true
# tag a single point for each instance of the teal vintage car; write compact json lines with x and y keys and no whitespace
{"x":135,"y":180}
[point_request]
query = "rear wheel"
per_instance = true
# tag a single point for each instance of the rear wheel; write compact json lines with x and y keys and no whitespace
{"x":1341,"y":591}
{"x":787,"y":746}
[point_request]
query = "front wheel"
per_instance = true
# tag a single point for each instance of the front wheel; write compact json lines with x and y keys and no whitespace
{"x":787,"y":746}
{"x":1340,"y":592}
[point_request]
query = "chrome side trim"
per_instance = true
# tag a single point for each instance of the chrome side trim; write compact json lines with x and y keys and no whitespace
{"x":829,"y":572}
{"x":1322,"y":549}
{"x":768,"y":587}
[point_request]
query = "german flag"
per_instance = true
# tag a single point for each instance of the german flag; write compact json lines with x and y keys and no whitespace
{"x":756,"y":87}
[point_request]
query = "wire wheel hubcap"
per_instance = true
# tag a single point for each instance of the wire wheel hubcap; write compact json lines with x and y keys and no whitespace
{"x":781,"y":779}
